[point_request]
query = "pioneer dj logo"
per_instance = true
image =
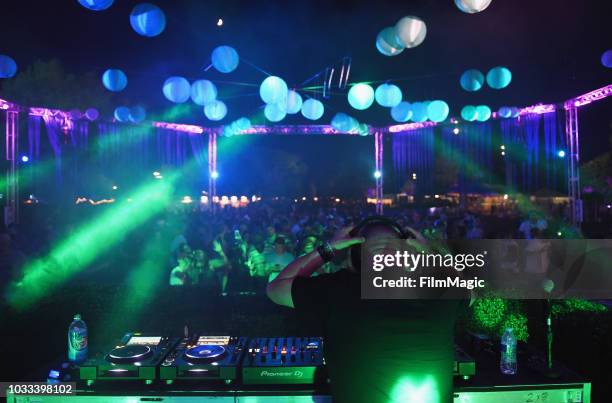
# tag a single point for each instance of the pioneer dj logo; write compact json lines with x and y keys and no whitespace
{"x":296,"y":373}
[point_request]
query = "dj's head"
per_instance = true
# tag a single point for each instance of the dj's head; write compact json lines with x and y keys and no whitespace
{"x":373,"y":229}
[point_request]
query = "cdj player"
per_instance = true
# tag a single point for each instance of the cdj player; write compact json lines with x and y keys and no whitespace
{"x":203,"y":358}
{"x":135,"y":357}
{"x":284,"y":360}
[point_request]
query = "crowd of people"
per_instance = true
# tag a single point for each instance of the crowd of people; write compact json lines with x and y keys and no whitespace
{"x":239,"y":250}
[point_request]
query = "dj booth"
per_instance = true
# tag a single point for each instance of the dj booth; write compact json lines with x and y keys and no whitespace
{"x":202,"y":368}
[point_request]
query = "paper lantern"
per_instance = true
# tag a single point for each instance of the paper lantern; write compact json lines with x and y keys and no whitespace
{"x":203,"y":92}
{"x":8,"y":67}
{"x":273,"y":90}
{"x":437,"y":111}
{"x":137,"y":114}
{"x":472,"y":6}
{"x":225,"y":59}
{"x":176,"y":89}
{"x":312,"y":109}
{"x":114,"y":80}
{"x":363,"y":129}
{"x":514,"y":112}
{"x":122,"y":114}
{"x":387,"y":42}
{"x":419,"y":111}
{"x":227,"y":131}
{"x":471,"y":80}
{"x":75,"y":114}
{"x":361,"y":96}
{"x":401,"y":112}
{"x":294,"y":102}
{"x":499,"y":77}
{"x":468,"y":113}
{"x":243,"y":124}
{"x":96,"y":5}
{"x":483,"y":113}
{"x":275,"y":112}
{"x":606,"y":58}
{"x":216,"y":110}
{"x":504,"y":112}
{"x":410,"y":31}
{"x":147,"y":19}
{"x":344,"y":123}
{"x":388,"y":95}
{"x":92,"y":114}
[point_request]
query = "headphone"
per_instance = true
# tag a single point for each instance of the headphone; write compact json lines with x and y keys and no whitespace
{"x":373,"y":221}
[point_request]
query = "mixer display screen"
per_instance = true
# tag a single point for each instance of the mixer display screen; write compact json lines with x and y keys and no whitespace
{"x":214,"y":340}
{"x":144,"y":341}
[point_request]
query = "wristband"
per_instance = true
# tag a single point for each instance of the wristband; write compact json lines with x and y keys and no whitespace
{"x":326,"y":251}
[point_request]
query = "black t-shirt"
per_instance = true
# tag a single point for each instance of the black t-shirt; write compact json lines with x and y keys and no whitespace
{"x":380,"y":350}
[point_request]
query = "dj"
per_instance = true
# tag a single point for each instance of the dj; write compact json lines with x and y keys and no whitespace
{"x":376,"y":350}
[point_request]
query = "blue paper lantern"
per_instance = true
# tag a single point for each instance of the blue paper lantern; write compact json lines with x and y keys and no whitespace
{"x":361,"y":96}
{"x":216,"y":110}
{"x":96,"y":5}
{"x":483,"y":113}
{"x":114,"y":80}
{"x":471,"y":80}
{"x":203,"y":92}
{"x":419,"y":111}
{"x":273,"y":90}
{"x":137,"y":114}
{"x":225,"y":59}
{"x":294,"y":102}
{"x":437,"y":111}
{"x":312,"y":109}
{"x":363,"y":129}
{"x":606,"y":58}
{"x":344,"y":123}
{"x":401,"y":112}
{"x":410,"y":31}
{"x":176,"y":89}
{"x":499,"y":77}
{"x":504,"y":112}
{"x":515,"y":112}
{"x":388,"y":43}
{"x":227,"y":131}
{"x":388,"y":95}
{"x":122,"y":114}
{"x":92,"y":114}
{"x":468,"y":113}
{"x":275,"y":112}
{"x":8,"y":67}
{"x":147,"y":19}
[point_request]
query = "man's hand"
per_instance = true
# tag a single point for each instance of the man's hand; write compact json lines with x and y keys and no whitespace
{"x":342,"y":240}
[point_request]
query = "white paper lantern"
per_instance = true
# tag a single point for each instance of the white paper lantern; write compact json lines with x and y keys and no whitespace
{"x":411,"y":31}
{"x":225,"y":59}
{"x":216,"y":110}
{"x":176,"y":89}
{"x":387,"y":42}
{"x":483,"y":113}
{"x":437,"y":111}
{"x":312,"y":109}
{"x":274,"y":112}
{"x":361,"y":96}
{"x":203,"y":92}
{"x":388,"y":95}
{"x":402,"y":112}
{"x":294,"y":102}
{"x":472,"y":6}
{"x":273,"y":90}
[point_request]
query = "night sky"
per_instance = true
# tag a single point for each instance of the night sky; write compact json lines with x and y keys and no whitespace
{"x":552,"y":47}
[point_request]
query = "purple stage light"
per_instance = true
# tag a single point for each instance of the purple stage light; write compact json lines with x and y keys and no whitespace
{"x":538,"y":109}
{"x":193,"y":129}
{"x":589,"y":97}
{"x":409,"y":126}
{"x":294,"y":129}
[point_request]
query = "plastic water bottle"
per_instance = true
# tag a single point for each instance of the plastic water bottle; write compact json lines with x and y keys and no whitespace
{"x":77,"y":340}
{"x":507,"y":363}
